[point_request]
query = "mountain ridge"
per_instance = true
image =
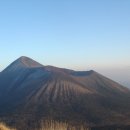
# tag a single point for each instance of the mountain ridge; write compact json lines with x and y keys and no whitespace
{"x":32,"y":90}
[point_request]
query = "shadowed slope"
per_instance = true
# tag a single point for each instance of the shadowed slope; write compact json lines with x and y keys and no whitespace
{"x":36,"y":92}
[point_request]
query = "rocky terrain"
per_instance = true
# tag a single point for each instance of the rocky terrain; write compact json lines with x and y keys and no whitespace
{"x":34,"y":93}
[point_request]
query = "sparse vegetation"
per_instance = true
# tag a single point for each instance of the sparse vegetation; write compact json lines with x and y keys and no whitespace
{"x":4,"y":127}
{"x":55,"y":125}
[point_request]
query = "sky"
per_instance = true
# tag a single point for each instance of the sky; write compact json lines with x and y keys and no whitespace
{"x":75,"y":34}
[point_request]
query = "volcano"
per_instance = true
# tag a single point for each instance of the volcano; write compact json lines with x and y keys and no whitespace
{"x":34,"y":92}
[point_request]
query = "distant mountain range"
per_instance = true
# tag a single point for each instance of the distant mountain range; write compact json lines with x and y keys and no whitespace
{"x":34,"y":92}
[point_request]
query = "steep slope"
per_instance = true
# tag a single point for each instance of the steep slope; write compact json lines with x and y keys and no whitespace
{"x":15,"y":75}
{"x":35,"y":92}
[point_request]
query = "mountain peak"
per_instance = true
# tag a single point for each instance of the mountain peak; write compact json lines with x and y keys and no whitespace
{"x":24,"y":57}
{"x":61,"y":94}
{"x":28,"y":62}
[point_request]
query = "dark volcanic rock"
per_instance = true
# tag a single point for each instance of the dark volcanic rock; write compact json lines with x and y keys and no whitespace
{"x":36,"y":92}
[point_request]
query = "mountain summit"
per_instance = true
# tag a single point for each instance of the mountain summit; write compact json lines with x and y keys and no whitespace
{"x":35,"y":92}
{"x":28,"y":62}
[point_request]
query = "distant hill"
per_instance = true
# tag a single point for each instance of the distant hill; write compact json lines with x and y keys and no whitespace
{"x":33,"y":92}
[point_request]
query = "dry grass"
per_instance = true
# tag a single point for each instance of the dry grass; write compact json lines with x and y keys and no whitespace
{"x":47,"y":125}
{"x":4,"y":127}
{"x":54,"y":125}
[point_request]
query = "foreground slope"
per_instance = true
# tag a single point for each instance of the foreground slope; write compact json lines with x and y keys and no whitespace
{"x":35,"y":92}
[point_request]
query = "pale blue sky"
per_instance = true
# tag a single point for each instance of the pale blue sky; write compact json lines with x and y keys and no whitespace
{"x":78,"y":34}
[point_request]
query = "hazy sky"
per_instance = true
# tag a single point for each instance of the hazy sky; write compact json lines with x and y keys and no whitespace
{"x":77,"y":34}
